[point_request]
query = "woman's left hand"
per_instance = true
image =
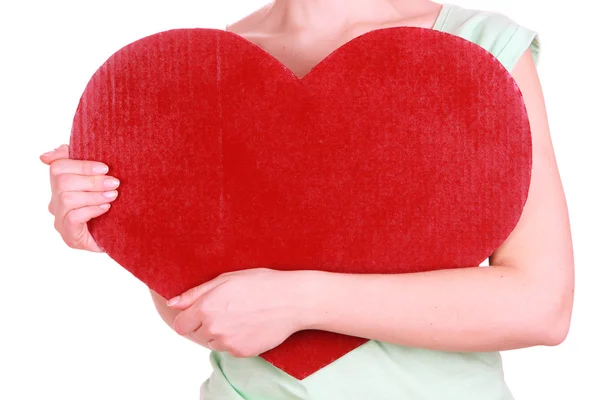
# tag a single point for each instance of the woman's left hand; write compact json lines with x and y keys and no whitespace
{"x":245,"y":312}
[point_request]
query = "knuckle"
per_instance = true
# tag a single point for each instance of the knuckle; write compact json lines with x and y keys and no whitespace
{"x":66,"y":198}
{"x":62,"y":181}
{"x":55,"y":168}
{"x":70,"y":219}
{"x":85,"y":167}
{"x":97,"y":181}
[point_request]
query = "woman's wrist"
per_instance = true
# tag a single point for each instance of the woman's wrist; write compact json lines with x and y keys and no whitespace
{"x":308,"y":300}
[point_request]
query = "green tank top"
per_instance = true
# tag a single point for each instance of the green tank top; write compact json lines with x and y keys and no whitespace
{"x":378,"y":370}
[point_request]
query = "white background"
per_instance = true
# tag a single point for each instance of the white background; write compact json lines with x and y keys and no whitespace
{"x":77,"y":326}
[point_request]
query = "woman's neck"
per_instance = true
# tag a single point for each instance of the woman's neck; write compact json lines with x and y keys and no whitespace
{"x":331,"y":15}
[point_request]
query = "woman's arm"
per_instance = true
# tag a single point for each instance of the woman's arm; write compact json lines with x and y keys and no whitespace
{"x":523,"y":299}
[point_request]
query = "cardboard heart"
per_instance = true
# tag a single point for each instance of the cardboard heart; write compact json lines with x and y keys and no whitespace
{"x":404,"y":150}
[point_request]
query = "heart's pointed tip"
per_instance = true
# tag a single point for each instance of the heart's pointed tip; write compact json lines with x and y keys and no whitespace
{"x":307,"y":352}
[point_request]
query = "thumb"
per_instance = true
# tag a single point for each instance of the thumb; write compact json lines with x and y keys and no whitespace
{"x":188,"y":297}
{"x":56,"y":154}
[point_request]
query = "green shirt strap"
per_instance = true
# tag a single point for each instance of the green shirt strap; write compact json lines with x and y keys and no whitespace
{"x":495,"y":32}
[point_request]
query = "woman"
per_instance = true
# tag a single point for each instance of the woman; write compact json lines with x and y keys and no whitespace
{"x":428,"y":340}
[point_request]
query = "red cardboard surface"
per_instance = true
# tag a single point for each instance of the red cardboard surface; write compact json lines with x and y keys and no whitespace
{"x":404,"y":150}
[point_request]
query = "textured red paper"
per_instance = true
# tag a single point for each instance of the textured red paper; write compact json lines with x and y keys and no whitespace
{"x":404,"y":150}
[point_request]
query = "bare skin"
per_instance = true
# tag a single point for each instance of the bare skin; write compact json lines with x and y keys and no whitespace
{"x":524,"y":299}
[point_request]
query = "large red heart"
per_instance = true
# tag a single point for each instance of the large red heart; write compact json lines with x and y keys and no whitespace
{"x":404,"y":150}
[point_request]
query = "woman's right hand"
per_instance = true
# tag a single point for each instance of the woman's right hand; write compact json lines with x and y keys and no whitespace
{"x":81,"y":190}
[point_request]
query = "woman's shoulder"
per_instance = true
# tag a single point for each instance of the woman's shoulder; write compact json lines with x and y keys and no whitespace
{"x":499,"y":34}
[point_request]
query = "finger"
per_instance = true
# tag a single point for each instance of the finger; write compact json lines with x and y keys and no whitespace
{"x":222,"y":345}
{"x":74,"y":221}
{"x":81,"y":183}
{"x":188,"y":297}
{"x":200,"y":336}
{"x":216,"y":345}
{"x":61,"y":151}
{"x":72,"y":200}
{"x":77,"y":167}
{"x":187,"y":321}
{"x":197,"y":341}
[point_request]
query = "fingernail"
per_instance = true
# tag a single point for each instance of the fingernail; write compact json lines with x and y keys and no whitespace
{"x":100,"y":169}
{"x":47,"y":153}
{"x":110,"y":195}
{"x":173,"y":301}
{"x":104,"y":206}
{"x":111,"y":183}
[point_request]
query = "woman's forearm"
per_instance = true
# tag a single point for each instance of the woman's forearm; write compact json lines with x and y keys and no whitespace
{"x":473,"y":309}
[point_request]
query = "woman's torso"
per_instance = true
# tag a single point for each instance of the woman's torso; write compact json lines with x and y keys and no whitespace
{"x":377,"y":370}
